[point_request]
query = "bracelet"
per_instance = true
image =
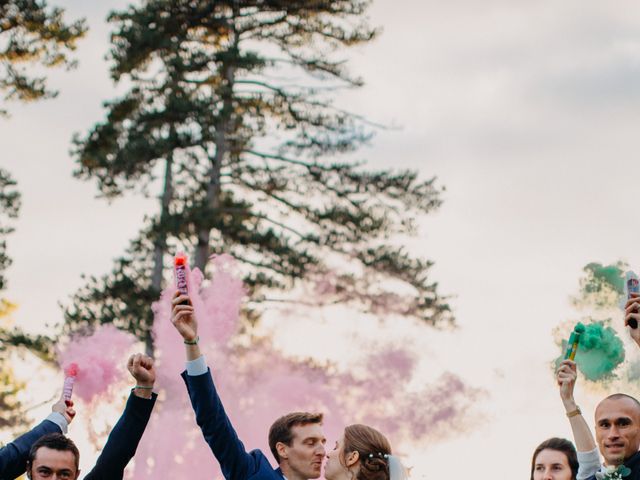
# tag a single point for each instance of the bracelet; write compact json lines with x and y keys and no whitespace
{"x":575,"y":412}
{"x":142,"y":387}
{"x":192,"y":342}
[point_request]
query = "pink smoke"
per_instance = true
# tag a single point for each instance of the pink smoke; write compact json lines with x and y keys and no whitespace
{"x":258,"y":383}
{"x":100,"y":360}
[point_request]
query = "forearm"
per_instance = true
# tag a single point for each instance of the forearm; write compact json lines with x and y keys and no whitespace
{"x":123,"y":439}
{"x":192,"y":351}
{"x":216,"y":427}
{"x":582,"y":435}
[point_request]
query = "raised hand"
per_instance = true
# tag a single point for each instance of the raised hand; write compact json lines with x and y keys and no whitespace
{"x":64,"y":407}
{"x":632,"y":311}
{"x":141,"y":368}
{"x":566,"y":376}
{"x":183,"y":318}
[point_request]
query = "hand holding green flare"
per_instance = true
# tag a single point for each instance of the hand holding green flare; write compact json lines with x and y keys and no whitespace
{"x":574,"y":340}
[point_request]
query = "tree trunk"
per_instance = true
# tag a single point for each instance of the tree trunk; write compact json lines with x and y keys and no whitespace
{"x":223,"y":130}
{"x":160,"y":245}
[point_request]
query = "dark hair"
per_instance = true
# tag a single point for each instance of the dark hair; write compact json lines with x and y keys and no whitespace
{"x":280,"y":431}
{"x":54,"y":441}
{"x":372,"y":446}
{"x":560,"y":445}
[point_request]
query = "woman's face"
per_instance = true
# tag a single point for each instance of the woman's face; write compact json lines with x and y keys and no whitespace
{"x":333,"y":469}
{"x":551,"y":465}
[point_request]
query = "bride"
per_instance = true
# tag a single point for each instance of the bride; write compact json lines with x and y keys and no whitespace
{"x":363,"y":453}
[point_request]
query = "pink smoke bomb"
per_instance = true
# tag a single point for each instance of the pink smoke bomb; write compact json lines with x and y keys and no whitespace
{"x":180,"y":269}
{"x":71,"y":372}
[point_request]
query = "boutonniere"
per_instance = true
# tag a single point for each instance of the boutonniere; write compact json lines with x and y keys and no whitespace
{"x":614,"y":473}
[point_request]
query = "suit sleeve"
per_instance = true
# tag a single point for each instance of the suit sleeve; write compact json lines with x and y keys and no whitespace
{"x":13,"y":457}
{"x":235,"y":462}
{"x":123,"y":440}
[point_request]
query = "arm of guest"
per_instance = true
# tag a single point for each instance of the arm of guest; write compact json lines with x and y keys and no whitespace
{"x":588,"y":456}
{"x":126,"y":434}
{"x":13,"y":456}
{"x":211,"y":417}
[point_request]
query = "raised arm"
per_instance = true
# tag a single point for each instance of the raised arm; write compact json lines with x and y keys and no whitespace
{"x":126,"y":434}
{"x":588,"y":456}
{"x":211,"y":417}
{"x":13,"y":456}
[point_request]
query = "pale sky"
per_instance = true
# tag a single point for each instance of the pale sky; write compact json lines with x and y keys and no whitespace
{"x":525,"y":111}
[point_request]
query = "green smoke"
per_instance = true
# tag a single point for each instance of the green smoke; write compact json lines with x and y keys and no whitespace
{"x":602,"y":276}
{"x":600,"y":351}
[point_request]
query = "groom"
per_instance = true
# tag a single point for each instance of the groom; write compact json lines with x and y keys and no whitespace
{"x":296,"y":440}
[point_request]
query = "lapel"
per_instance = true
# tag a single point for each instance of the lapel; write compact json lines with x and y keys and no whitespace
{"x":633,"y":463}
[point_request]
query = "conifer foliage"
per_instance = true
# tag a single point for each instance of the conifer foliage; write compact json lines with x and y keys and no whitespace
{"x":32,"y":34}
{"x":231,"y":120}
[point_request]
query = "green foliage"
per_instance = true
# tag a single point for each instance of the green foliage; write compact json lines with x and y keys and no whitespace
{"x":123,"y":297}
{"x":9,"y":209}
{"x":32,"y":34}
{"x":233,"y":101}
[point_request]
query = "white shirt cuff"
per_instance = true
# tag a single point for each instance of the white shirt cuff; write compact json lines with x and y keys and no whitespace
{"x":197,"y":367}
{"x":588,"y":463}
{"x":59,"y":420}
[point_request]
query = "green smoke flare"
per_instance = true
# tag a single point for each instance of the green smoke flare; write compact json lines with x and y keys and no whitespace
{"x":600,"y":351}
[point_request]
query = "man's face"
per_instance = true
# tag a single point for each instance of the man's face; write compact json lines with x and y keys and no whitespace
{"x":52,"y":464}
{"x":617,"y":429}
{"x":305,"y":454}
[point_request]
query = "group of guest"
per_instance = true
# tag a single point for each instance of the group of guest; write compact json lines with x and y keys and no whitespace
{"x":296,"y":440}
{"x":617,"y":430}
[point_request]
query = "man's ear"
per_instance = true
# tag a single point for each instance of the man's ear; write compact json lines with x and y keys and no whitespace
{"x":77,"y":475}
{"x":352,"y":458}
{"x":282,"y":450}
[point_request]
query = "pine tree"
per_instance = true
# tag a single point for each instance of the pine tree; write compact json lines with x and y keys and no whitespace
{"x":9,"y":209}
{"x":231,"y":104}
{"x":32,"y":34}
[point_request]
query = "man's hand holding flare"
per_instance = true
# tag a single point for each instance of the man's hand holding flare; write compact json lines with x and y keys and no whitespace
{"x":65,"y":408}
{"x":566,"y":376}
{"x":183,"y":318}
{"x":632,"y":311}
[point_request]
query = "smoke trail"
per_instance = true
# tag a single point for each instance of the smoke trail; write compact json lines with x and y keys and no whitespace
{"x":602,"y":276}
{"x":258,"y":383}
{"x":101,"y":360}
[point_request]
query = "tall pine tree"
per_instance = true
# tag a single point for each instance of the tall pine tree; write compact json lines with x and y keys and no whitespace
{"x":32,"y":34}
{"x":231,"y":115}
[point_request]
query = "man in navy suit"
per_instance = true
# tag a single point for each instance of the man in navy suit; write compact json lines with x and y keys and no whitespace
{"x":296,"y":440}
{"x":55,"y":454}
{"x":13,"y":457}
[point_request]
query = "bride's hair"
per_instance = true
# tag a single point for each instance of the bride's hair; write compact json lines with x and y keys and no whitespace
{"x":373,"y":448}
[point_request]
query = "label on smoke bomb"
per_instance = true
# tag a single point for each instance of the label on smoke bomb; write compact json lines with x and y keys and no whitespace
{"x":67,"y":389}
{"x":633,"y":285}
{"x":181,"y":279}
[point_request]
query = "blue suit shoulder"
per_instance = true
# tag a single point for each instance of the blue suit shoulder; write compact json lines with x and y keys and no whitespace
{"x":13,"y":456}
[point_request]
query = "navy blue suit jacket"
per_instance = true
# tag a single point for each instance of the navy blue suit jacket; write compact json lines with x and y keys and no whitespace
{"x":123,"y":440}
{"x":116,"y":454}
{"x":13,"y":457}
{"x":235,"y":462}
{"x":633,"y":463}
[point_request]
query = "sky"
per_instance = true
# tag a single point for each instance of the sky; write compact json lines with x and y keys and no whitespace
{"x":526,"y":114}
